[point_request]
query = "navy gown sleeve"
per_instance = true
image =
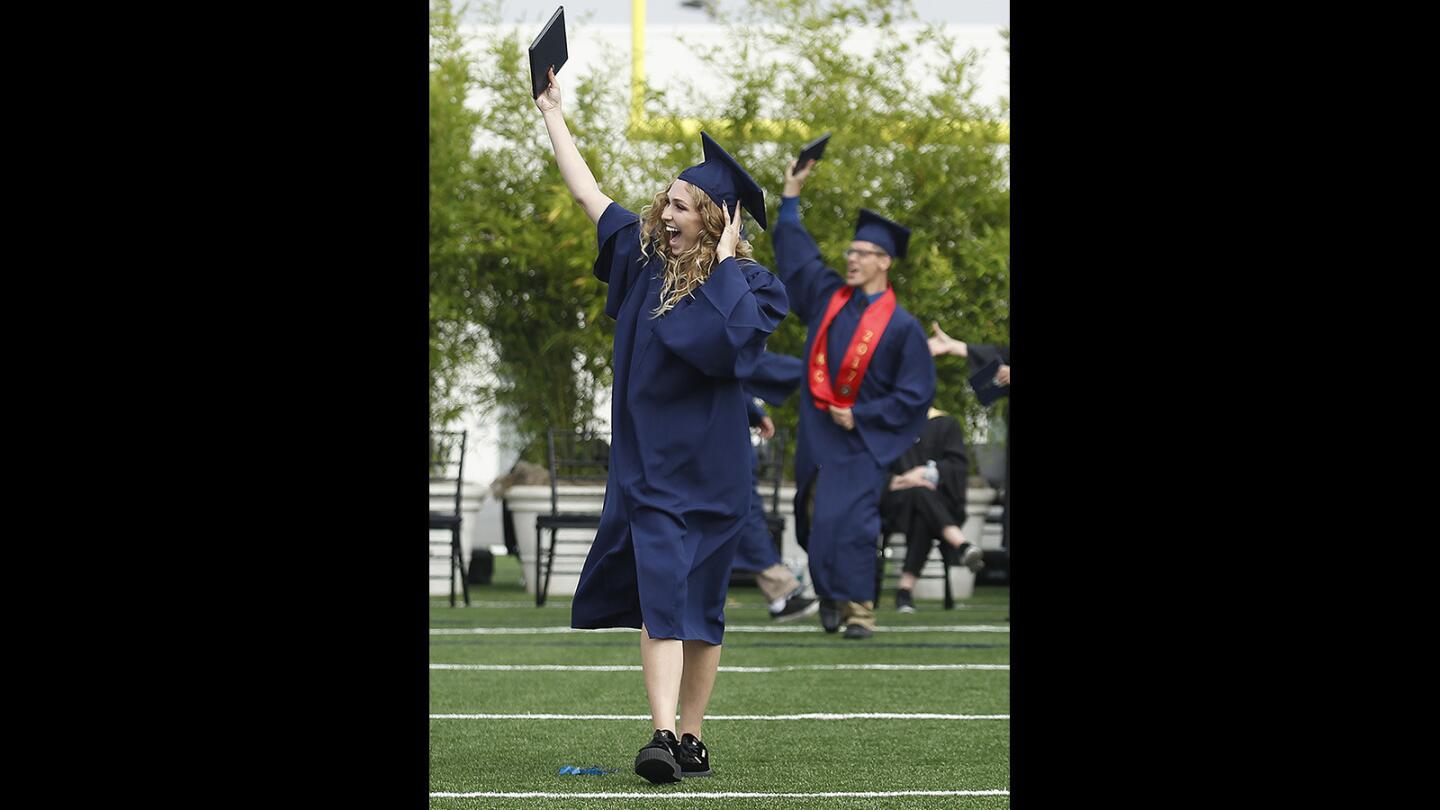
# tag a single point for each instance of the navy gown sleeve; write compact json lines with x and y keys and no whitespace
{"x":618,"y":262}
{"x":978,"y":354}
{"x":721,"y":328}
{"x":775,"y":377}
{"x":888,"y":425}
{"x":809,"y":283}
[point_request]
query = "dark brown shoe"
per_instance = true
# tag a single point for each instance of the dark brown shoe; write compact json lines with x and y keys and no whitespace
{"x":829,"y":615}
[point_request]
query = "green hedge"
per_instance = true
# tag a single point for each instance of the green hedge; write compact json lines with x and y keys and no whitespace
{"x":510,"y":252}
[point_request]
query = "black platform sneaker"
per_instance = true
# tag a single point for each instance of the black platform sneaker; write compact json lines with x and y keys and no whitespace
{"x":694,"y":758}
{"x":657,"y":760}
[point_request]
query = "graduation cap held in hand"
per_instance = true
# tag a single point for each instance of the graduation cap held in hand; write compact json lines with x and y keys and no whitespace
{"x":726,"y":182}
{"x":812,"y":151}
{"x":983,"y":382}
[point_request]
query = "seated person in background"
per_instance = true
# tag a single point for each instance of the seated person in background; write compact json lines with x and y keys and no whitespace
{"x":926,"y":501}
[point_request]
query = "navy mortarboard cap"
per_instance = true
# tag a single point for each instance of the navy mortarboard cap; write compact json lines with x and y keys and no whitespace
{"x":812,"y":151}
{"x":723,"y":179}
{"x":987,"y":387}
{"x":890,"y":236}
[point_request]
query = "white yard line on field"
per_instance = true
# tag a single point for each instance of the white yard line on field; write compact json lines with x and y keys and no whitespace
{"x":551,"y":603}
{"x":744,"y":628}
{"x":531,"y":603}
{"x":809,"y":716}
{"x":785,"y":668}
{"x":726,"y":795}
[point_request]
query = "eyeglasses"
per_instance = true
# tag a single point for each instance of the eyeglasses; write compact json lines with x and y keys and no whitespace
{"x":854,"y":251}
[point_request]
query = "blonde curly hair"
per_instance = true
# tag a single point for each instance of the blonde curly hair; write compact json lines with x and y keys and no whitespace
{"x":685,"y":272}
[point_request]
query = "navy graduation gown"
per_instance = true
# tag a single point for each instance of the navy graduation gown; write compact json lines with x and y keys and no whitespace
{"x":979,"y":354}
{"x":848,"y":468}
{"x":676,"y":495}
{"x":756,"y":549}
{"x":773,"y":380}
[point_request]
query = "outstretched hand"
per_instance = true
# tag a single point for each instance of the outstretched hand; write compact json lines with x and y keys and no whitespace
{"x":942,"y":343}
{"x":550,"y":99}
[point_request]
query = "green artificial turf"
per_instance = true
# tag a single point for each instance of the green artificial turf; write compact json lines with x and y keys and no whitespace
{"x":793,"y":756}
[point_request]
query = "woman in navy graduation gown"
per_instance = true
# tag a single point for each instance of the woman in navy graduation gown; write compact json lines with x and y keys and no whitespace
{"x":692,"y":312}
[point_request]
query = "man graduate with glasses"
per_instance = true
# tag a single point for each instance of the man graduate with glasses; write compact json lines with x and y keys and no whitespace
{"x":868,"y":387}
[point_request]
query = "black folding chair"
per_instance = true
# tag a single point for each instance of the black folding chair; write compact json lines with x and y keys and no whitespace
{"x":575,"y":458}
{"x":997,"y":560}
{"x":447,"y":467}
{"x":993,"y":464}
{"x":772,"y":472}
{"x":898,"y":550}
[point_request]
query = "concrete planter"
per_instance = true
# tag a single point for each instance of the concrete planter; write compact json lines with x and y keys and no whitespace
{"x":471,"y":501}
{"x":529,"y":501}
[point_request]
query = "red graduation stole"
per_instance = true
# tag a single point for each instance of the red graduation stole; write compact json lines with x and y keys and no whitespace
{"x":857,"y":357}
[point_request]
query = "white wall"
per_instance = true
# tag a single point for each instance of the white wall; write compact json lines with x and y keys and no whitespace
{"x":669,"y":59}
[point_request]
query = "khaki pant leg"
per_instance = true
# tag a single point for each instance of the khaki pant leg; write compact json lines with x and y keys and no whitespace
{"x":861,"y":613}
{"x":776,"y":582}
